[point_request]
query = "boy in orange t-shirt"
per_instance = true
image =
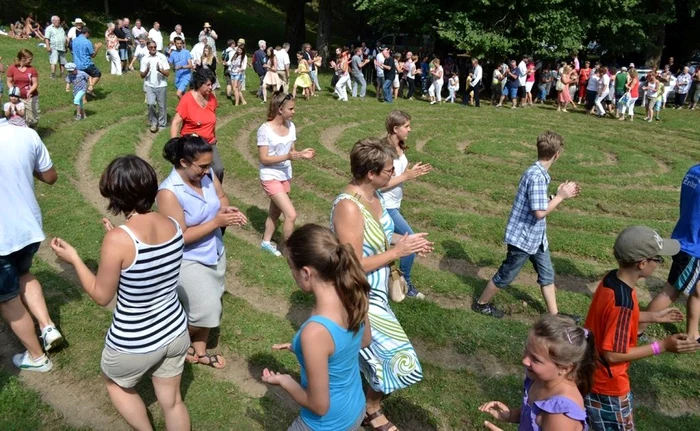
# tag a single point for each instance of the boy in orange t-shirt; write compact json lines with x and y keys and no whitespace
{"x":613,"y":318}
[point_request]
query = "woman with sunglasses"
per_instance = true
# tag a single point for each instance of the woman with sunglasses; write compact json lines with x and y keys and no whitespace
{"x":359,"y":218}
{"x":276,"y":140}
{"x":193,"y":196}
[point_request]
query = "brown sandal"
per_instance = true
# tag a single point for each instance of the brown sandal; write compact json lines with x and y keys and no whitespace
{"x":191,"y":356}
{"x":213,"y":359}
{"x":367,"y":422}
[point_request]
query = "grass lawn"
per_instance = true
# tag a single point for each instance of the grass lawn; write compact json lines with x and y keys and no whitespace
{"x":629,"y":174}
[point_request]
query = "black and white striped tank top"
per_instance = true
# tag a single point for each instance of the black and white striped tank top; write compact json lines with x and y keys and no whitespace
{"x":148,"y":314}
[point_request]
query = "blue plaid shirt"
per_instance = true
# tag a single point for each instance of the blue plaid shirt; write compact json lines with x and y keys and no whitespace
{"x":524,"y":230}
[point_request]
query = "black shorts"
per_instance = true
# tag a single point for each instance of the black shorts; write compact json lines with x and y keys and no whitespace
{"x":93,"y":71}
{"x":12,"y":267}
{"x":521,"y":92}
{"x":685,"y":273}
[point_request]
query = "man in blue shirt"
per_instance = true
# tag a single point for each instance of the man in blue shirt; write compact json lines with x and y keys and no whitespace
{"x":526,"y":232}
{"x":83,"y":53}
{"x":181,"y":60}
{"x":685,"y":269}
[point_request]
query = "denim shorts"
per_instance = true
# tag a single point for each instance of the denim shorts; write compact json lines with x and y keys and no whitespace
{"x":512,"y":91}
{"x":237,"y":76}
{"x":123,"y":54}
{"x":12,"y":267}
{"x":516,"y":258}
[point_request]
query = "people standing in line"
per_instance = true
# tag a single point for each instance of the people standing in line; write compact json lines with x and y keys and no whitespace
{"x":559,"y":361}
{"x":358,"y":79}
{"x":25,"y":77}
{"x":83,"y":53}
{"x":498,"y":85}
{"x":282,"y":55}
{"x":155,"y":70}
{"x":239,"y":63}
{"x":437,"y":74}
{"x":276,"y":148}
{"x":181,"y":60}
{"x":55,"y":39}
{"x":613,"y":318}
{"x":476,"y":84}
{"x":328,"y":343}
{"x":359,"y":218}
{"x":632,"y":87}
{"x":526,"y":231}
{"x":196,"y":114}
{"x":192,"y":195}
{"x":112,"y":45}
{"x":79,"y":80}
{"x":140,"y":263}
{"x":398,"y":126}
{"x":156,"y":36}
{"x":25,"y":157}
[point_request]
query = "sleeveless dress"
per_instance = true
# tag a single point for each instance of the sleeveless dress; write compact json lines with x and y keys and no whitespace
{"x":389,"y":362}
{"x":555,"y":405}
{"x":303,"y":80}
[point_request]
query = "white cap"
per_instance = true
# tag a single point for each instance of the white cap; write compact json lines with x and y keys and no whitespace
{"x":78,"y":21}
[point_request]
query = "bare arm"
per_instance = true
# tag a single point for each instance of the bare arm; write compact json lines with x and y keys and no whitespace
{"x":558,"y":422}
{"x":35,"y":85}
{"x":176,"y":125}
{"x":419,"y":169}
{"x":564,"y":191}
{"x":268,"y":160}
{"x":49,"y":177}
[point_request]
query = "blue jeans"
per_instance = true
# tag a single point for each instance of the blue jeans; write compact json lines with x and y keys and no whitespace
{"x":401,"y":227}
{"x":387,"y":88}
{"x":516,"y":258}
{"x":358,"y":78}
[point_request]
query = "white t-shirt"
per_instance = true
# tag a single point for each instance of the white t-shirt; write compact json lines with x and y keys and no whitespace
{"x":20,"y":217}
{"x":522,"y":79}
{"x":197,"y":51}
{"x":140,"y":52}
{"x":155,"y":78}
{"x":393,"y":196}
{"x":175,"y":34}
{"x":277,"y":146}
{"x":157,"y":37}
{"x":380,"y":59}
{"x":411,"y":68}
{"x":282,"y":59}
{"x":604,"y":85}
{"x":593,"y":82}
{"x":136,"y":32}
{"x":72,"y":33}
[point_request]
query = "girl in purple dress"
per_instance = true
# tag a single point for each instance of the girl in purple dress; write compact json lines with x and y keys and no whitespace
{"x":559,"y":360}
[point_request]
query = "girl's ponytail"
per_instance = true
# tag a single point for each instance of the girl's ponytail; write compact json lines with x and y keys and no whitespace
{"x":351,"y":284}
{"x":585,"y":369}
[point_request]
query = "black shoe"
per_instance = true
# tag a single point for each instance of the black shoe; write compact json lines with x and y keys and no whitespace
{"x":576,"y":318}
{"x":487,"y":310}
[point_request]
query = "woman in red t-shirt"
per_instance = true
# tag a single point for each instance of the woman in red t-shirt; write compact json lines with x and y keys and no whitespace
{"x":196,"y":113}
{"x":632,"y":94}
{"x":25,"y":77}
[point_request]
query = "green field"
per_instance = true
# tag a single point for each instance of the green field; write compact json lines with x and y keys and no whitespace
{"x":629,"y":174}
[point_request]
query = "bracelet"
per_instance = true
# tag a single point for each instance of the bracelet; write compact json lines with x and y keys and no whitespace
{"x":655,"y":348}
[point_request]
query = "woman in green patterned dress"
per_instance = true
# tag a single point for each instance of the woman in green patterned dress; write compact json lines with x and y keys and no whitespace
{"x":360,"y":219}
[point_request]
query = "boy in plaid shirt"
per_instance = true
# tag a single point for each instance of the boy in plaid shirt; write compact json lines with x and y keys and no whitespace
{"x":526,"y":232}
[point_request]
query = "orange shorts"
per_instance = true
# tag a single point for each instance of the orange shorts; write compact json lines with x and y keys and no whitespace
{"x":272,"y":187}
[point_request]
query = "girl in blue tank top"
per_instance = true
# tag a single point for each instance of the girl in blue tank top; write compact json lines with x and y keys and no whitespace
{"x":328,"y":344}
{"x":559,"y":361}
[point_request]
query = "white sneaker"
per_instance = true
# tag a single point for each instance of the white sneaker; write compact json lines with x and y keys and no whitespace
{"x":24,"y":361}
{"x":270,"y":248}
{"x":51,"y":337}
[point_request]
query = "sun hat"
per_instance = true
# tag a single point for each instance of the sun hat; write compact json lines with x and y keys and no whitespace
{"x":78,"y":21}
{"x":70,"y":67}
{"x":631,"y":65}
{"x":637,"y":243}
{"x":624,"y":69}
{"x":242,"y":41}
{"x":207,"y":25}
{"x":14,"y":92}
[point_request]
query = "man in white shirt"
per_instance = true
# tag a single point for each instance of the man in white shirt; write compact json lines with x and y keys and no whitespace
{"x":475,"y":86}
{"x":155,"y":35}
{"x":198,"y":50}
{"x":379,"y":67}
{"x":522,"y":79}
{"x":177,"y":33}
{"x":282,"y":56}
{"x":139,"y":31}
{"x":55,"y":38}
{"x":155,"y":70}
{"x":74,"y":31}
{"x":24,"y":157}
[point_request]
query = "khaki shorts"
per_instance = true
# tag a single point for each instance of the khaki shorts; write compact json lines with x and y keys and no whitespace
{"x":127,"y":369}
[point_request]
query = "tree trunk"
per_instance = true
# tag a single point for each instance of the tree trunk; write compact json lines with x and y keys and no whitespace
{"x":655,"y":45}
{"x":107,"y":7}
{"x":295,"y":28}
{"x":325,"y":11}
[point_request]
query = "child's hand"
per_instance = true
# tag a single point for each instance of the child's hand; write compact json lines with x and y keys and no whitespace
{"x":492,"y":427}
{"x":680,"y":343}
{"x":308,"y":153}
{"x":668,"y":315}
{"x":273,"y":378}
{"x":418,"y":170}
{"x":283,"y":346}
{"x":496,"y":409}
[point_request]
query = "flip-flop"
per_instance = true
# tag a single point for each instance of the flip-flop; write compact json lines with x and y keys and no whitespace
{"x":213,"y":360}
{"x":191,"y":353}
{"x":367,"y":422}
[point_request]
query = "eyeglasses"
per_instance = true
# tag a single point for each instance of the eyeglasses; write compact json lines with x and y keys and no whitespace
{"x":202,"y":168}
{"x":390,"y":171}
{"x":657,"y":259}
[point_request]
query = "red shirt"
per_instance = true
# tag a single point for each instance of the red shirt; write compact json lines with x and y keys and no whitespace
{"x":196,"y":119}
{"x":613,"y":318}
{"x":23,"y":80}
{"x":634,"y":88}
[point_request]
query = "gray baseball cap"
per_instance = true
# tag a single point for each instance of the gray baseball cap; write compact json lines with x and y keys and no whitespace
{"x":637,"y":243}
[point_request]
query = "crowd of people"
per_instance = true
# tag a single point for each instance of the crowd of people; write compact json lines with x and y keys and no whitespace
{"x":166,"y":264}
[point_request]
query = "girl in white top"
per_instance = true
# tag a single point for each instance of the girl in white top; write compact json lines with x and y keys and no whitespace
{"x":344,"y":77}
{"x":276,"y":139}
{"x":398,"y":125}
{"x":453,"y":87}
{"x":435,"y":90}
{"x":603,"y":89}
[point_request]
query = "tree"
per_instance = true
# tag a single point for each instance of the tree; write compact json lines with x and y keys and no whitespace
{"x":295,"y":28}
{"x":323,"y":39}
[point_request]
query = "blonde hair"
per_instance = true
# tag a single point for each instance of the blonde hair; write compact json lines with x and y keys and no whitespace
{"x":317,"y":247}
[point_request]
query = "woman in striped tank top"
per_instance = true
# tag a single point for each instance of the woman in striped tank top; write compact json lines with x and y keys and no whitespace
{"x":359,"y":217}
{"x":140,"y":262}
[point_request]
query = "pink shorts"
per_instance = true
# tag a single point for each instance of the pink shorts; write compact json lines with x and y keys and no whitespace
{"x":272,"y":187}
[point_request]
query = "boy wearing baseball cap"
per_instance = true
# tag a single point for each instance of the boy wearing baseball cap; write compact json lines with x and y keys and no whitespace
{"x":613,"y":318}
{"x":80,"y":81}
{"x":14,"y":109}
